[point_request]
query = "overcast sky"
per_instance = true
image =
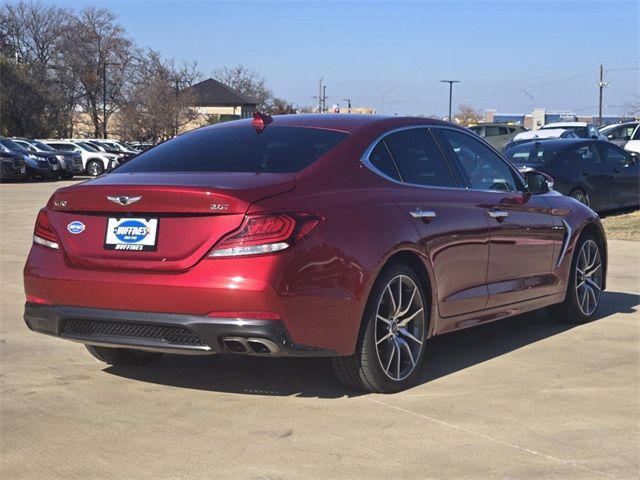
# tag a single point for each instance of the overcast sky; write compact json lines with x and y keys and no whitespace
{"x":497,"y":49}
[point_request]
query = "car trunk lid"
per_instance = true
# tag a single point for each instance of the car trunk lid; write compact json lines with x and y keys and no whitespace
{"x":165,"y":222}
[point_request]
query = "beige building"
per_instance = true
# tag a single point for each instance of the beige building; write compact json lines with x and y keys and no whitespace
{"x":214,"y":101}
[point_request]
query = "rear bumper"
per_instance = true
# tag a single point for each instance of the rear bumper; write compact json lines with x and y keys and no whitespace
{"x":166,"y":332}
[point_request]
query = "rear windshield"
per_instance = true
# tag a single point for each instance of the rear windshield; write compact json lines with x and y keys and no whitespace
{"x":531,"y":152}
{"x":237,"y":149}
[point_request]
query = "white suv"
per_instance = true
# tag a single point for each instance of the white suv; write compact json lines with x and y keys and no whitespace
{"x":95,"y":162}
{"x":581,"y":129}
{"x":633,"y":145}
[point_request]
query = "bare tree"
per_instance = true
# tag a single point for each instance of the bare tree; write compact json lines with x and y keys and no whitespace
{"x":467,"y":115}
{"x":158,"y":102}
{"x":35,"y":102}
{"x":632,"y":106}
{"x":96,"y":51}
{"x":247,"y":82}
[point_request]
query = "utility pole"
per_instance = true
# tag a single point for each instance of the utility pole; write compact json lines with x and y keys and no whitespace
{"x":348,"y":100}
{"x":320,"y":97}
{"x":601,"y":86}
{"x":324,"y":99}
{"x":450,"y":82}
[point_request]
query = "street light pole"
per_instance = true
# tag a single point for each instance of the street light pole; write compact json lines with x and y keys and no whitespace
{"x":104,"y":99}
{"x":383,"y":95}
{"x":348,"y":100}
{"x":450,"y":82}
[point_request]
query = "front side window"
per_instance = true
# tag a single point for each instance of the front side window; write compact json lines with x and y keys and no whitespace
{"x":419,"y":160}
{"x":484,"y":170}
{"x":615,"y":156}
{"x":583,"y":155}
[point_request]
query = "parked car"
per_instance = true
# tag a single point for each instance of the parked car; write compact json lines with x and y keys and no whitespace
{"x":633,"y":145}
{"x":70,"y":162}
{"x":39,"y":166}
{"x":114,"y":148}
{"x":594,"y":172}
{"x":581,"y":129}
{"x":13,"y":165}
{"x":619,"y":133}
{"x":240,"y":238}
{"x":538,"y":135}
{"x":497,"y":134}
{"x":95,"y":163}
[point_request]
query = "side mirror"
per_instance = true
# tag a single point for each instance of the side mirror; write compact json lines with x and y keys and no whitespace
{"x":537,"y":182}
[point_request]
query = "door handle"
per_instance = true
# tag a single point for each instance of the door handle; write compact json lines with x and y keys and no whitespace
{"x":423,"y":214}
{"x":498,"y":214}
{"x":584,"y":174}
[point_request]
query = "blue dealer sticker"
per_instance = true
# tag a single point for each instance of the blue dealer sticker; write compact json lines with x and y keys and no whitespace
{"x":76,"y":227}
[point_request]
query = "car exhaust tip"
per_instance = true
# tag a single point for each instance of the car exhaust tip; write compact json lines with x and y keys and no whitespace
{"x":251,"y":346}
{"x":235,"y":345}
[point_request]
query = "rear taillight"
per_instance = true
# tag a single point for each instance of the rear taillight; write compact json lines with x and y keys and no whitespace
{"x":43,"y":234}
{"x":265,"y":234}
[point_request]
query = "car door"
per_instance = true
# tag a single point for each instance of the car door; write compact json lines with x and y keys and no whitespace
{"x":582,"y":168}
{"x":625,"y":176}
{"x":453,"y":232}
{"x":522,"y":235}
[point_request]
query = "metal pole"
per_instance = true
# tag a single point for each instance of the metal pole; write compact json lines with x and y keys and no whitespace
{"x":104,"y":99}
{"x":450,"y":82}
{"x":324,"y":99}
{"x":348,"y":100}
{"x":320,"y":97}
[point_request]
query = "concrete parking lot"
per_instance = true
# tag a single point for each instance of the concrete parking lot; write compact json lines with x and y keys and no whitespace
{"x":527,"y":397}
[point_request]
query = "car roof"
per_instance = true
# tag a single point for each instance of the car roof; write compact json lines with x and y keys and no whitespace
{"x":547,"y":133}
{"x":560,"y":142}
{"x":564,"y":124}
{"x":347,"y":123}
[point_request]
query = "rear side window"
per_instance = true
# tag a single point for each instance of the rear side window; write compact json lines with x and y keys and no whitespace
{"x":237,"y":149}
{"x":381,"y":159}
{"x":419,"y":159}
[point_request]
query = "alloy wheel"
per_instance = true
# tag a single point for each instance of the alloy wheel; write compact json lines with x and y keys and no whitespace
{"x":95,"y":169}
{"x":400,"y":327}
{"x":588,"y":277}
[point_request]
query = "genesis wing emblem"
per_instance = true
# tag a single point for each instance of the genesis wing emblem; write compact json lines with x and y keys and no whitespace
{"x":123,"y":200}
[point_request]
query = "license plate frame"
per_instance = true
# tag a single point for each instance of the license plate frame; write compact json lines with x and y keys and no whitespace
{"x":132,"y":234}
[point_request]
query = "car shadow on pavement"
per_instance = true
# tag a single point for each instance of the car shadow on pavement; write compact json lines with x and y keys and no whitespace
{"x":313,"y":377}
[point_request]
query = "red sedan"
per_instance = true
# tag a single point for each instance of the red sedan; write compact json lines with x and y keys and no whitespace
{"x":348,"y":236}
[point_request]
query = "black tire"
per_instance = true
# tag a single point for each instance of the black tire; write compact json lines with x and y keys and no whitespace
{"x":95,"y":168}
{"x":581,"y":196}
{"x":364,"y":369}
{"x":572,"y":310}
{"x":123,"y":356}
{"x":66,"y":175}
